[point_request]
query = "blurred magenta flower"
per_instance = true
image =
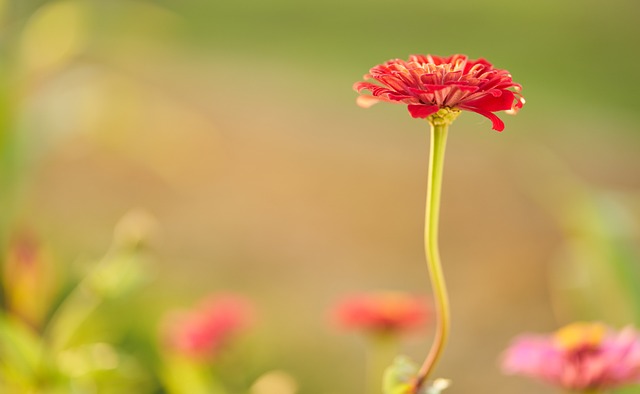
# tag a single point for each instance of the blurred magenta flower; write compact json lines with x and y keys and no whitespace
{"x":382,"y":313}
{"x":202,"y":332}
{"x":428,"y":83}
{"x":581,"y":357}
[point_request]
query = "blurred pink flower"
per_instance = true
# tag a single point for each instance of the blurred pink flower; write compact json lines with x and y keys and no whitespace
{"x":428,"y":83}
{"x":580,"y":356}
{"x":382,"y":313}
{"x":203,"y":331}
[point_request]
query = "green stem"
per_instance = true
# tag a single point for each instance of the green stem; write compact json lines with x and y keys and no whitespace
{"x":382,"y":350}
{"x":185,"y":376}
{"x":436,"y":162}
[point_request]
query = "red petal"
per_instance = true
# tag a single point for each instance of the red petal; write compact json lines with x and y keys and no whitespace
{"x":471,"y":63}
{"x":491,"y":103}
{"x":498,"y":124}
{"x":422,"y":111}
{"x":428,"y":89}
{"x":360,"y":86}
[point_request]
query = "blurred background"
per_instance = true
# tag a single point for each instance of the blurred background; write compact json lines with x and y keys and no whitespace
{"x":233,"y":127}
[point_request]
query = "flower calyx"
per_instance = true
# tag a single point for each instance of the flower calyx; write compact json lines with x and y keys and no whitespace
{"x":444,"y":117}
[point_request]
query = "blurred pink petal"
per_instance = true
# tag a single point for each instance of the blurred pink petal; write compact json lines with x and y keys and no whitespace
{"x":205,"y":330}
{"x":581,"y":356}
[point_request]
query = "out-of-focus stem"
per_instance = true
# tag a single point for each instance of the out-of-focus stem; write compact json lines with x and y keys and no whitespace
{"x":383,"y":348}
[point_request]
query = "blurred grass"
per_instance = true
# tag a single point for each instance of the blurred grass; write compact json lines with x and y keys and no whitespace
{"x":565,"y":55}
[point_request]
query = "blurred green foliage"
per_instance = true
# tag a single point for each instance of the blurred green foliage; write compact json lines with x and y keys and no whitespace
{"x":52,"y":353}
{"x":94,"y":337}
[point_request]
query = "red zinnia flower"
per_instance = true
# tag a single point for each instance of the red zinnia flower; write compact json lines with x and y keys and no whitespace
{"x":428,"y":83}
{"x":381,"y":313}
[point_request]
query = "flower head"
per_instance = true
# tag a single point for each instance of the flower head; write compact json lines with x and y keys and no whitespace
{"x":438,"y":88}
{"x":203,"y":331}
{"x":382,"y":313}
{"x":580,"y":356}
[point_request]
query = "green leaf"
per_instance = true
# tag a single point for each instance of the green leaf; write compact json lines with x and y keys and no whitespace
{"x":20,"y":352}
{"x":120,"y":271}
{"x":398,"y":377}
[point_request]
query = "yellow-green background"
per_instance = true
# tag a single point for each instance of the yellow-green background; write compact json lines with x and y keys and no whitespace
{"x":235,"y":125}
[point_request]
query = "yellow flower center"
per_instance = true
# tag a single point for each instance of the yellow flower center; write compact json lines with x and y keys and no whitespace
{"x":578,"y":335}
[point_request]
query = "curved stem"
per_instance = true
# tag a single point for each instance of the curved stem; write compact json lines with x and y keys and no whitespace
{"x":436,"y":162}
